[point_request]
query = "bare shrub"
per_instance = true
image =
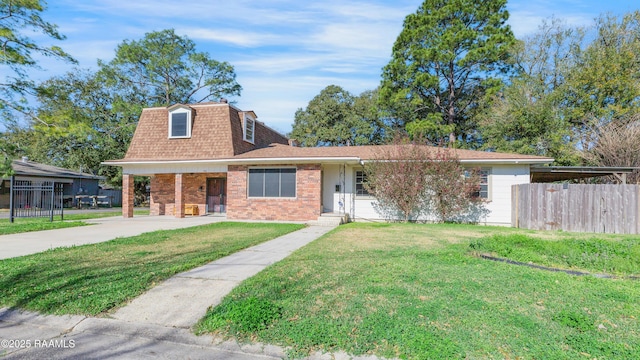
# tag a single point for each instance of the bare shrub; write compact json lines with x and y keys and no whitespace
{"x":398,"y":179}
{"x":411,"y":181}
{"x":617,"y":144}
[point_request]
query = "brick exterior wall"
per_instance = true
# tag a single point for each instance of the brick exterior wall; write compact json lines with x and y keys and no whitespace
{"x":127,"y":195}
{"x":194,"y":191}
{"x":305,"y":206}
{"x":179,"y":198}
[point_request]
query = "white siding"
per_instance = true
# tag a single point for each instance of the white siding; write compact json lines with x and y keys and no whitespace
{"x":499,"y":204}
{"x":501,"y":179}
{"x":330,"y":178}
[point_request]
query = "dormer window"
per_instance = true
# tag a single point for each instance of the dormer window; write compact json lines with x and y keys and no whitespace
{"x":249,"y":128}
{"x":179,"y":123}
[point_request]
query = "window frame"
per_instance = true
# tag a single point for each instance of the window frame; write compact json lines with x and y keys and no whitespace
{"x":264,"y":191}
{"x":363,"y":193}
{"x":484,"y":173}
{"x":188,"y":123}
{"x":248,"y":118}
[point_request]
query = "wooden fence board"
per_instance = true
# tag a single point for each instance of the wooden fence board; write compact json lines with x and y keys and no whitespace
{"x":602,"y":208}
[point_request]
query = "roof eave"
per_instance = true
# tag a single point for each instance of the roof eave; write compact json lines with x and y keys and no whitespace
{"x":242,"y":161}
{"x":495,"y":161}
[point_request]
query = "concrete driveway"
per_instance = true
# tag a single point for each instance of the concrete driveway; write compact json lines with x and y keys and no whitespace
{"x":100,"y":230}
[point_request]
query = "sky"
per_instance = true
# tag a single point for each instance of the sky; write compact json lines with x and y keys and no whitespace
{"x":284,"y":52}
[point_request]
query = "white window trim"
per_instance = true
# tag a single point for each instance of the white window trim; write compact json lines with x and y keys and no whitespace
{"x":245,"y":121}
{"x":178,"y":111}
{"x":489,"y":183}
{"x":355,"y":191}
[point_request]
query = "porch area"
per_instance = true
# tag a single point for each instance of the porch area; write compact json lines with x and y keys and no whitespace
{"x":180,"y":194}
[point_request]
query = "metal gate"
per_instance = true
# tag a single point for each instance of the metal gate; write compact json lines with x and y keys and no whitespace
{"x":35,"y":198}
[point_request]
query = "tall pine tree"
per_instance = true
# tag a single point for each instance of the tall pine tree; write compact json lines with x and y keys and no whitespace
{"x":448,"y":56}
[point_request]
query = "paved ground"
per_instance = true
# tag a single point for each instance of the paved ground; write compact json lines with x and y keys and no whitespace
{"x":157,"y":324}
{"x":4,"y":213}
{"x":103,"y":229}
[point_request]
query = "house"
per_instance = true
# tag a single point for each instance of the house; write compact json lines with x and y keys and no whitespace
{"x":221,"y":159}
{"x":74,"y":183}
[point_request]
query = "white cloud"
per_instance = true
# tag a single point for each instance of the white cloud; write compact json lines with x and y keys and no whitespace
{"x":371,"y":39}
{"x":231,"y":36}
{"x":284,"y":51}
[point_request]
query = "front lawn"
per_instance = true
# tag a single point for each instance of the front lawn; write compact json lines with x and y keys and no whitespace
{"x":92,"y":279}
{"x":21,"y":225}
{"x":421,"y":292}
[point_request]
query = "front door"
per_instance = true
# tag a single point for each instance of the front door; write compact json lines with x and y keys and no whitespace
{"x":216,"y":195}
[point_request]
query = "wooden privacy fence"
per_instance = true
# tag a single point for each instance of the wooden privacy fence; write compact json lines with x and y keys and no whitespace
{"x":596,"y":208}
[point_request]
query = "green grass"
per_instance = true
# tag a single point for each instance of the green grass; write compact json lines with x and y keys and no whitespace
{"x":596,"y":255}
{"x":21,"y":225}
{"x":94,"y":279}
{"x":419,"y":292}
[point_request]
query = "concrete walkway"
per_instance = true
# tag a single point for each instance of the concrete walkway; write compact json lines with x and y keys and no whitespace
{"x":183,"y":299}
{"x":103,"y":229}
{"x":156,"y":324}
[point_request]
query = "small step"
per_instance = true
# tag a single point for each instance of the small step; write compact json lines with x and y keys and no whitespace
{"x":330,"y":219}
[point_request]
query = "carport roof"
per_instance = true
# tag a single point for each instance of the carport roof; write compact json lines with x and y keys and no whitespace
{"x":546,"y":174}
{"x":34,"y":169}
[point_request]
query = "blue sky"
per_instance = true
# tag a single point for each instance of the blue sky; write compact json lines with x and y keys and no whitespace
{"x":284,"y":51}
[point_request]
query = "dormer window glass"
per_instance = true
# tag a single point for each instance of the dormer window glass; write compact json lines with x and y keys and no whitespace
{"x":180,"y":123}
{"x":249,"y":128}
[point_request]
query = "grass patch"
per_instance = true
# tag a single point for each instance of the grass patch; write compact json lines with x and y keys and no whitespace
{"x":21,"y":225}
{"x":416,"y":291}
{"x":612,"y":255}
{"x":93,"y":279}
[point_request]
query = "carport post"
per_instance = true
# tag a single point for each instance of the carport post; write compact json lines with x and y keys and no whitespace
{"x":11,"y":200}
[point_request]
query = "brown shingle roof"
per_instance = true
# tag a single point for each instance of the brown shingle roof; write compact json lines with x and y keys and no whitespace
{"x":216,"y":133}
{"x":371,"y":152}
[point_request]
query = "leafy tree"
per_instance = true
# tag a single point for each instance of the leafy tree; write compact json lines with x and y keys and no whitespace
{"x":16,"y":56}
{"x":604,"y":84}
{"x":524,"y":120}
{"x":85,"y":126}
{"x":16,"y":49}
{"x":547,"y":56}
{"x":370,"y":125}
{"x":7,"y":151}
{"x":336,"y":117}
{"x":529,"y":115}
{"x":164,"y":68}
{"x":447,"y":57}
{"x":89,"y":117}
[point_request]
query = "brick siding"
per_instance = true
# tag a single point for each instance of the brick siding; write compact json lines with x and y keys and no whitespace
{"x":305,"y":206}
{"x":127,"y":195}
{"x":194,"y":191}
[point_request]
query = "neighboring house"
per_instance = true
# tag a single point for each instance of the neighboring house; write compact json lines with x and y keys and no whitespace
{"x":222,"y":160}
{"x":74,"y":182}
